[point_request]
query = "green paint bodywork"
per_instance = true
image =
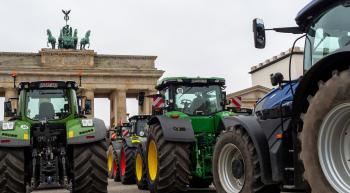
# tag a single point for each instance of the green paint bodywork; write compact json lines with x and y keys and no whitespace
{"x":21,"y":131}
{"x":75,"y":129}
{"x":22,"y":125}
{"x":206,"y":130}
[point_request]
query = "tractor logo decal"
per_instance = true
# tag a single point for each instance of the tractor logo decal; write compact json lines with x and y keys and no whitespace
{"x":24,"y":127}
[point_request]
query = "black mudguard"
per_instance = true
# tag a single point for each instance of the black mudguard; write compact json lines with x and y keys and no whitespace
{"x":143,"y":146}
{"x":176,"y":130}
{"x":322,"y":70}
{"x":252,"y":127}
{"x":100,"y":134}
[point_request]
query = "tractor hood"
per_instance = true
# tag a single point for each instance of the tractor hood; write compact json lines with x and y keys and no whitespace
{"x":277,"y":96}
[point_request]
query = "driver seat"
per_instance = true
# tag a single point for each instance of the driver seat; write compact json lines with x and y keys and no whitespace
{"x":46,"y":111}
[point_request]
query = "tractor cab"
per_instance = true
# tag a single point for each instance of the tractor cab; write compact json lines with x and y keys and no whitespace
{"x":46,"y":101}
{"x":325,"y":33}
{"x":326,"y":30}
{"x":139,"y":124}
{"x":324,"y":25}
{"x":193,"y":96}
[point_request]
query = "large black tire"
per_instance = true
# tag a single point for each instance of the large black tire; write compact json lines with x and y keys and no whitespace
{"x":173,"y":163}
{"x":238,"y":138}
{"x":90,"y":174}
{"x":110,"y":162}
{"x":12,"y":170}
{"x":141,"y":182}
{"x":200,"y":183}
{"x":330,"y":94}
{"x":127,"y":166}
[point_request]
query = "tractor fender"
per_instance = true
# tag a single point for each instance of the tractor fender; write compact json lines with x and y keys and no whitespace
{"x":322,"y":70}
{"x":255,"y":132}
{"x":175,"y":130}
{"x":12,"y":142}
{"x":100,"y":134}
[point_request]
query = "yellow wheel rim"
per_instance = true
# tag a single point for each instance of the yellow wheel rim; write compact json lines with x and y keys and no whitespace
{"x":110,"y":161}
{"x":139,"y":167}
{"x":152,"y":160}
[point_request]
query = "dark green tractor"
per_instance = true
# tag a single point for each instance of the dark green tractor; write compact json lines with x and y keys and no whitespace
{"x":181,"y":138}
{"x":48,"y":140}
{"x":115,"y":139}
{"x":122,"y":150}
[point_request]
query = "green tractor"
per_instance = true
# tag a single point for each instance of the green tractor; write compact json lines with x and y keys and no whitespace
{"x":48,"y":140}
{"x":121,"y":154}
{"x":182,"y":135}
{"x":115,"y":139}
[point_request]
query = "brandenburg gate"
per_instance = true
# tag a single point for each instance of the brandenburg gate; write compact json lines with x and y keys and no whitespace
{"x":116,"y":77}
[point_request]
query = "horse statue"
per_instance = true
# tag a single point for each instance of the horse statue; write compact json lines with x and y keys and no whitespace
{"x":85,"y":41}
{"x":50,"y":39}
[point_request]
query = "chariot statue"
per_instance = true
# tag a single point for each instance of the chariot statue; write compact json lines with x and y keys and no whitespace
{"x":67,"y":39}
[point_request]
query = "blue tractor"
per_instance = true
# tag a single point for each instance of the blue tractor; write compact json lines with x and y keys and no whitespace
{"x":298,"y":137}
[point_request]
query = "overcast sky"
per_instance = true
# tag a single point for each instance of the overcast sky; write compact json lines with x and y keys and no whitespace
{"x":190,"y":37}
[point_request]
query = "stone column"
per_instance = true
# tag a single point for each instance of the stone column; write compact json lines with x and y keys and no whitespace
{"x":118,"y":106}
{"x":146,"y":108}
{"x":89,"y":94}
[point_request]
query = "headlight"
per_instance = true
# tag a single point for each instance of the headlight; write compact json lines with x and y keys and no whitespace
{"x":87,"y":123}
{"x":142,"y":134}
{"x":8,"y":125}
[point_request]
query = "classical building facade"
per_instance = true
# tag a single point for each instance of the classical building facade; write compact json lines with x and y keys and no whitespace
{"x":260,"y":76}
{"x":116,"y":77}
{"x":260,"y":73}
{"x":250,"y":96}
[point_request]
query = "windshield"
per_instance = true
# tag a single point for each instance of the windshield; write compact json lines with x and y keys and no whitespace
{"x":141,"y":125}
{"x":198,"y":100}
{"x":47,"y":104}
{"x":327,"y":34}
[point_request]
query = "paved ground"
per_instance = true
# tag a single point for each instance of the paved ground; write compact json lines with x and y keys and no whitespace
{"x":115,"y":187}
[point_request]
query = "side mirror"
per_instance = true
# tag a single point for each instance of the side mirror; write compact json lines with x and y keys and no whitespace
{"x":276,"y":79}
{"x":223,"y":99}
{"x":223,"y":96}
{"x":87,"y":107}
{"x":259,"y":33}
{"x":8,"y":109}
